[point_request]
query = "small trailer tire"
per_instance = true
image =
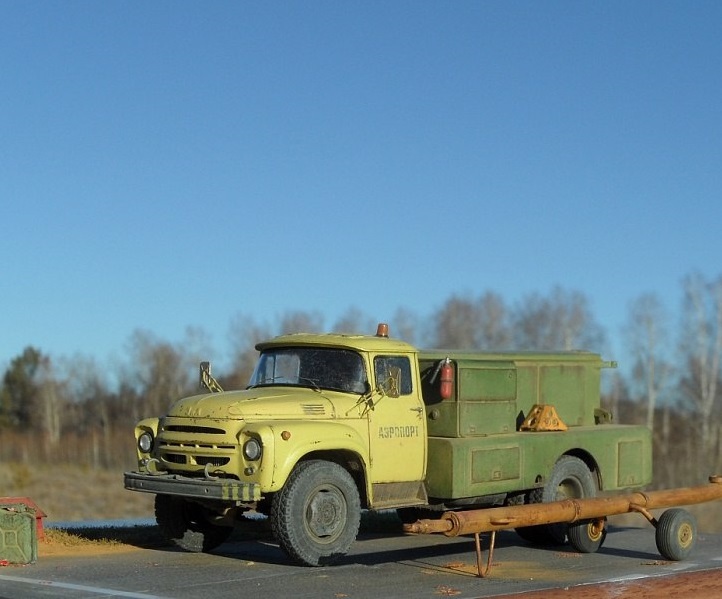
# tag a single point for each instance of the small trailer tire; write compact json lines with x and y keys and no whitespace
{"x":587,"y":536}
{"x":676,"y":534}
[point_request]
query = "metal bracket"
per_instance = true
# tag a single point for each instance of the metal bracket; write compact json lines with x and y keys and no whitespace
{"x":484,"y":572}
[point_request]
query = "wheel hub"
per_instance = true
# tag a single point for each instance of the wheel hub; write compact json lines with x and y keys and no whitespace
{"x":325,"y":513}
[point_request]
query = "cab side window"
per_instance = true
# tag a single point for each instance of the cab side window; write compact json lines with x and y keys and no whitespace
{"x":393,"y":375}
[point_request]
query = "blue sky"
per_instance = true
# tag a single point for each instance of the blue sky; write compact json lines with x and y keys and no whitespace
{"x":174,"y":164}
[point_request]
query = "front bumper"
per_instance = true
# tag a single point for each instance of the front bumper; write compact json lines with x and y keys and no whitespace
{"x":195,"y":488}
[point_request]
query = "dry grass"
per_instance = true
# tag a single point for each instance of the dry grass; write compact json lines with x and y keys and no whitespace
{"x":69,"y":493}
{"x":101,"y":536}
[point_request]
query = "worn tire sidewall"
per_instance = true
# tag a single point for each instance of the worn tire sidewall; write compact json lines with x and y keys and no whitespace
{"x":288,"y":518}
{"x":567,"y":468}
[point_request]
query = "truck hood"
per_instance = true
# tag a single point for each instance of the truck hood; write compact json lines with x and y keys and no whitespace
{"x":277,"y":403}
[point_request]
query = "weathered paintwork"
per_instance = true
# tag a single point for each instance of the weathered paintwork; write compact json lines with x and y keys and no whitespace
{"x":476,"y":448}
{"x":403,"y":444}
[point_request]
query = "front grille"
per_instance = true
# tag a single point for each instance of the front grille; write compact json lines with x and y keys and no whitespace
{"x":185,"y":446}
{"x":213,"y":461}
{"x":202,"y":430}
{"x":204,"y":460}
{"x":166,"y":444}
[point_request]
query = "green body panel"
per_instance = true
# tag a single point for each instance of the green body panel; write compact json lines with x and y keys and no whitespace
{"x":493,"y":392}
{"x":475,"y":446}
{"x":478,"y":466}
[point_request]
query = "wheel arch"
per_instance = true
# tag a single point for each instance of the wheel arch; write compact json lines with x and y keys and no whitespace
{"x":350,"y":461}
{"x":336,"y":443}
{"x":589,"y":461}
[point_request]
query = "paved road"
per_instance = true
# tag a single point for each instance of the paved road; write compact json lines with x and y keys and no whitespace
{"x":380,"y":566}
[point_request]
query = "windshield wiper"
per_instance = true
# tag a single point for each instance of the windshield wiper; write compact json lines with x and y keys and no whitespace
{"x":313,"y":383}
{"x":284,"y":381}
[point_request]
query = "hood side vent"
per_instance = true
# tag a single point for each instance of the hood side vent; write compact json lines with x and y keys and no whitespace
{"x":311,"y":409}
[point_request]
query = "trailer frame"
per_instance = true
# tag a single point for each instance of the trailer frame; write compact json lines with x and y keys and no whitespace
{"x":675,"y":530}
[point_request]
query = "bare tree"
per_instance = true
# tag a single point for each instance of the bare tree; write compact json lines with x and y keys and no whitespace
{"x":473,"y":323}
{"x":48,"y":403}
{"x":301,"y":322}
{"x":560,"y":321}
{"x":160,"y":373}
{"x":405,"y":325}
{"x":494,"y":332}
{"x":701,"y":347}
{"x":244,"y":334}
{"x":647,"y":338}
{"x":354,"y":322}
{"x":456,"y":323}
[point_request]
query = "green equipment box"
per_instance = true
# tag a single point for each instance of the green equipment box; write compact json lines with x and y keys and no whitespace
{"x":18,"y":535}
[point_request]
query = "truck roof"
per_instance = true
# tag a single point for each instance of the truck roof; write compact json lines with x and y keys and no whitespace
{"x":374,"y":343}
{"x":382,"y":343}
{"x":515,"y":356}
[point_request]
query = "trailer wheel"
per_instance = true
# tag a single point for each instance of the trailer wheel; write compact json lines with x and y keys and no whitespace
{"x":316,"y":516}
{"x":569,"y":479}
{"x":186,"y":525}
{"x":587,"y":536}
{"x":676,"y":534}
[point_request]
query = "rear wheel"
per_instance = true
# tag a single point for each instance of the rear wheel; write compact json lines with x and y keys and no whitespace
{"x":316,"y":516}
{"x":187,"y":525}
{"x":569,"y":479}
{"x":587,"y":536}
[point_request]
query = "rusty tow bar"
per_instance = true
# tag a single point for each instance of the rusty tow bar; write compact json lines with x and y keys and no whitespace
{"x":675,"y":531}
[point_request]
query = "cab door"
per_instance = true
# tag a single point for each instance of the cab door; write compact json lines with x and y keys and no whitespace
{"x":397,"y":432}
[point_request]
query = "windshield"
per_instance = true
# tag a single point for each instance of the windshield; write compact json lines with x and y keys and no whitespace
{"x":318,"y":368}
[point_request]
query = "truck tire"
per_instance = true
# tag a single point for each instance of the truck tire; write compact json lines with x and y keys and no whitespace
{"x":569,"y":479}
{"x":185,"y":524}
{"x":587,"y":536}
{"x":315,"y":517}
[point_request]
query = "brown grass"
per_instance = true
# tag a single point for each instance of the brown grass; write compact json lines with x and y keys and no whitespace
{"x":69,"y":493}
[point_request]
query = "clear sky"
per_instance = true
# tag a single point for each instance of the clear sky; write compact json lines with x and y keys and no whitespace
{"x":166,"y":164}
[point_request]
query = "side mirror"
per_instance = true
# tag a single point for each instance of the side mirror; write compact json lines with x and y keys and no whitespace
{"x":391,"y":384}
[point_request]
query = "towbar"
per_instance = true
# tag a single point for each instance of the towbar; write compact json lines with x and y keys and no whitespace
{"x":593,"y":510}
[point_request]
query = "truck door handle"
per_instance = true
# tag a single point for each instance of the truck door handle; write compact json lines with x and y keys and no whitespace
{"x":417,"y":409}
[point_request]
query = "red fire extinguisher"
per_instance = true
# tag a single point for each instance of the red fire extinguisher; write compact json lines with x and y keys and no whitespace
{"x":446,"y":386}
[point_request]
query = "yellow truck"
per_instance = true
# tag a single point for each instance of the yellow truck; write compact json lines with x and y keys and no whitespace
{"x":333,"y":424}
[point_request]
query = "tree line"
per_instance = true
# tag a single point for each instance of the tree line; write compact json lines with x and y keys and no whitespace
{"x":76,"y":410}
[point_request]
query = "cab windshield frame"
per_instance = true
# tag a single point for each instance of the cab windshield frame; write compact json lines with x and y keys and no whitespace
{"x":328,"y":368}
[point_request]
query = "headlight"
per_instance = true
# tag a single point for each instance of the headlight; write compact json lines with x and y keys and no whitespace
{"x":145,"y":442}
{"x":252,"y":449}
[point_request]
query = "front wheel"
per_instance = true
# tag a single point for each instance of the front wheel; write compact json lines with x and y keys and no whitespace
{"x":187,"y":525}
{"x":315,"y":517}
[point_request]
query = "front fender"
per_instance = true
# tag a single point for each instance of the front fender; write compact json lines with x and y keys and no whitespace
{"x":293,"y":440}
